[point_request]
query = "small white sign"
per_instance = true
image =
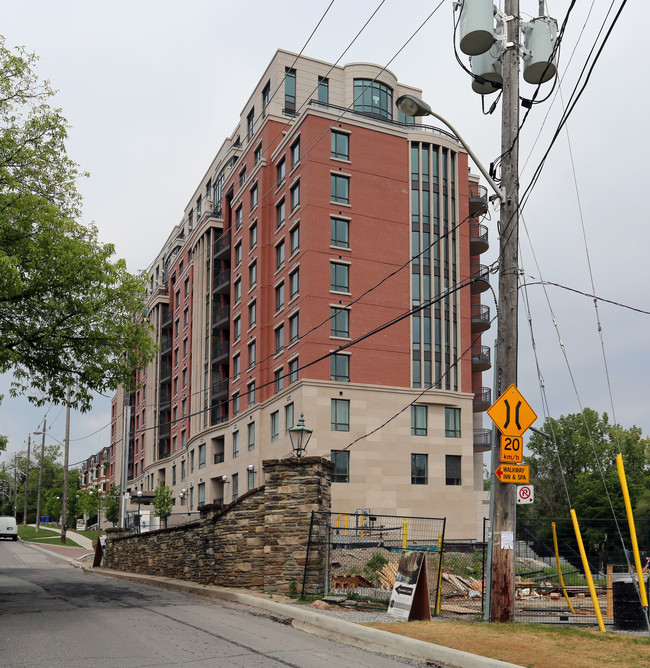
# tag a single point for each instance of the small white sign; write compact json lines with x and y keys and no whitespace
{"x":525,"y":494}
{"x":507,"y":540}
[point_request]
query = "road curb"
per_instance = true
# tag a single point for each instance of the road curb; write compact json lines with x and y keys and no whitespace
{"x":323,"y":625}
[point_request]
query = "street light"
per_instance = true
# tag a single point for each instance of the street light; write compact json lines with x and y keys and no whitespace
{"x":299,"y":436}
{"x":410,"y":105}
{"x":139,"y":495}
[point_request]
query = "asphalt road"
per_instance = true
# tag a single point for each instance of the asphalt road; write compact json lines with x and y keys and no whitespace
{"x":51,"y":614}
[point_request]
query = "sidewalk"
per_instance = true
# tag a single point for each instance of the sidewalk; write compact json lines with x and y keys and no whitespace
{"x":80,"y":540}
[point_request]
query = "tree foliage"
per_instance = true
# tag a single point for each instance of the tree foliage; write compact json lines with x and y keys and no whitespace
{"x":67,"y":310}
{"x":112,"y":505}
{"x":162,"y":502}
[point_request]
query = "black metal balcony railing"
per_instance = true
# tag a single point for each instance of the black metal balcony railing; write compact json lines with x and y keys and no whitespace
{"x":165,"y":371}
{"x":219,"y":388}
{"x":165,"y":397}
{"x":222,"y":246}
{"x":478,"y":238}
{"x":481,"y":358}
{"x":218,"y":457}
{"x":222,"y":281}
{"x":480,"y":314}
{"x":480,"y":275}
{"x":219,"y":350}
{"x":167,"y":318}
{"x":166,"y":343}
{"x":477,"y":199}
{"x":482,"y":440}
{"x":220,"y":316}
{"x":164,"y":430}
{"x":482,"y":398}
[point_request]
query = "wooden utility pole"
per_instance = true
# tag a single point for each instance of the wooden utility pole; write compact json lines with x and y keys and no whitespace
{"x":66,"y":452}
{"x":502,"y":594}
{"x":40,"y":478}
{"x":29,"y":446}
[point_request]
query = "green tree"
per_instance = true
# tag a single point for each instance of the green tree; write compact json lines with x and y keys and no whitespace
{"x":66,"y":308}
{"x":112,"y":505}
{"x":162,"y":503}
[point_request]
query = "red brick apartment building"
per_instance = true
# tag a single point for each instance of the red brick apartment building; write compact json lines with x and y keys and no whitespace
{"x":327,"y":264}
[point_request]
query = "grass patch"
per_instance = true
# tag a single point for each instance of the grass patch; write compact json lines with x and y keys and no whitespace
{"x":533,"y":645}
{"x":44,"y":536}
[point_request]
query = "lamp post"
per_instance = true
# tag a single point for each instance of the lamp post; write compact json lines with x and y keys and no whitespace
{"x":139,"y":495}
{"x":300,"y":436}
{"x":40,"y":474}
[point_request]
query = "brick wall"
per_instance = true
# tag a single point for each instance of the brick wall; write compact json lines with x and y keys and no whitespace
{"x":259,"y":542}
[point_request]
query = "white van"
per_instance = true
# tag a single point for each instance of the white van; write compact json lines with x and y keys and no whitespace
{"x":8,"y":528}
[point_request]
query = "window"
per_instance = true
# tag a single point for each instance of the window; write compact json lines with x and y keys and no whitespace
{"x":235,"y":444}
{"x":236,"y":366}
{"x":235,"y":404}
{"x":183,"y":470}
{"x":340,"y":188}
{"x":373,"y":98}
{"x":340,"y":415}
{"x":237,"y":290}
{"x":280,"y":214}
{"x":340,"y":145}
{"x":279,"y":339}
{"x":251,"y":354}
{"x":251,"y":436}
{"x":279,"y":255}
{"x":293,"y":370}
{"x":339,"y":277}
{"x":254,"y":196}
{"x":250,"y":124}
{"x":288,"y":416}
{"x":201,"y":456}
{"x":323,"y":90}
{"x":239,"y":217}
{"x":242,"y":174}
{"x":258,"y":154}
{"x":235,"y":486}
{"x":340,"y":322}
{"x":177,"y":299}
{"x":252,"y":314}
{"x":251,"y":478}
{"x":295,"y":153}
{"x":187,"y":287}
{"x":238,"y":254}
{"x":251,"y":393}
{"x":418,"y":420}
{"x":201,"y":499}
{"x":341,"y":460}
{"x":452,"y":470}
{"x":295,"y":196}
{"x":278,"y":378}
{"x":266,"y":96}
{"x":452,"y":422}
{"x":340,"y":235}
{"x":184,"y":407}
{"x":340,"y":367}
{"x":419,"y":469}
{"x":184,"y":377}
{"x":279,"y":296}
{"x":252,"y":274}
{"x":275,"y":425}
{"x":173,"y":475}
{"x":289,"y":90}
{"x":176,"y":357}
{"x":281,"y":170}
{"x":253,"y":235}
{"x":293,"y":328}
{"x":294,"y":237}
{"x":236,"y":328}
{"x":186,"y":317}
{"x":294,"y":284}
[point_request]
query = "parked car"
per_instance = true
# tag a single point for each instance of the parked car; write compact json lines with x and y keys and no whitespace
{"x":8,"y":528}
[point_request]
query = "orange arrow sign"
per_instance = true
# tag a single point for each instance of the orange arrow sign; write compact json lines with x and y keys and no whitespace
{"x":511,"y":413}
{"x":513,"y":473}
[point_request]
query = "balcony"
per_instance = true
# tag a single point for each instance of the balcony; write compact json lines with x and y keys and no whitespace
{"x":164,"y":429}
{"x":167,"y":318}
{"x":218,"y":457}
{"x":477,"y":199}
{"x":219,"y":389}
{"x":480,"y":318}
{"x":166,"y":343}
{"x":222,"y":282}
{"x":480,"y":274}
{"x":222,"y":247}
{"x":478,"y":238}
{"x":480,"y":359}
{"x":220,"y":317}
{"x":220,"y":351}
{"x":482,"y":398}
{"x":165,"y":372}
{"x":482,"y":440}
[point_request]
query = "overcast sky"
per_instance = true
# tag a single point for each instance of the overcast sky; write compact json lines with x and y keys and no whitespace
{"x":152,"y":88}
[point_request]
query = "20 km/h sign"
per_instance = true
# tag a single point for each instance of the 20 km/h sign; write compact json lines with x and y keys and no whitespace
{"x":513,"y":473}
{"x":512,"y":449}
{"x":511,"y":413}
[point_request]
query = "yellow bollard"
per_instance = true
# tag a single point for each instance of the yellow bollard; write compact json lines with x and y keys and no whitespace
{"x":559,"y":570}
{"x":439,"y":574}
{"x":630,"y":521}
{"x":345,"y":522}
{"x":404,"y":534}
{"x":585,"y":565}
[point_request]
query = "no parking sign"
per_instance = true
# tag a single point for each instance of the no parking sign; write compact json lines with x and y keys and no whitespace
{"x":525,"y":494}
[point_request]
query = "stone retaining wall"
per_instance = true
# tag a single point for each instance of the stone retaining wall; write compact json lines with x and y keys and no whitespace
{"x":259,"y":542}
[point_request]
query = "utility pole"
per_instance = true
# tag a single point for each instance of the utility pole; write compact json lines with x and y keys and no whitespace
{"x":502,"y":594}
{"x":126,"y":425}
{"x":29,"y":445}
{"x":40,"y":478}
{"x":66,"y":451}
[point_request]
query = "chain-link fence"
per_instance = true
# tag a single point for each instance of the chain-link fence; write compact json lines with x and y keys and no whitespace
{"x":362,"y":552}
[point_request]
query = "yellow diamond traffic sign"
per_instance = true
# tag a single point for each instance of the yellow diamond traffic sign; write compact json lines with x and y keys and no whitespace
{"x":511,"y":413}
